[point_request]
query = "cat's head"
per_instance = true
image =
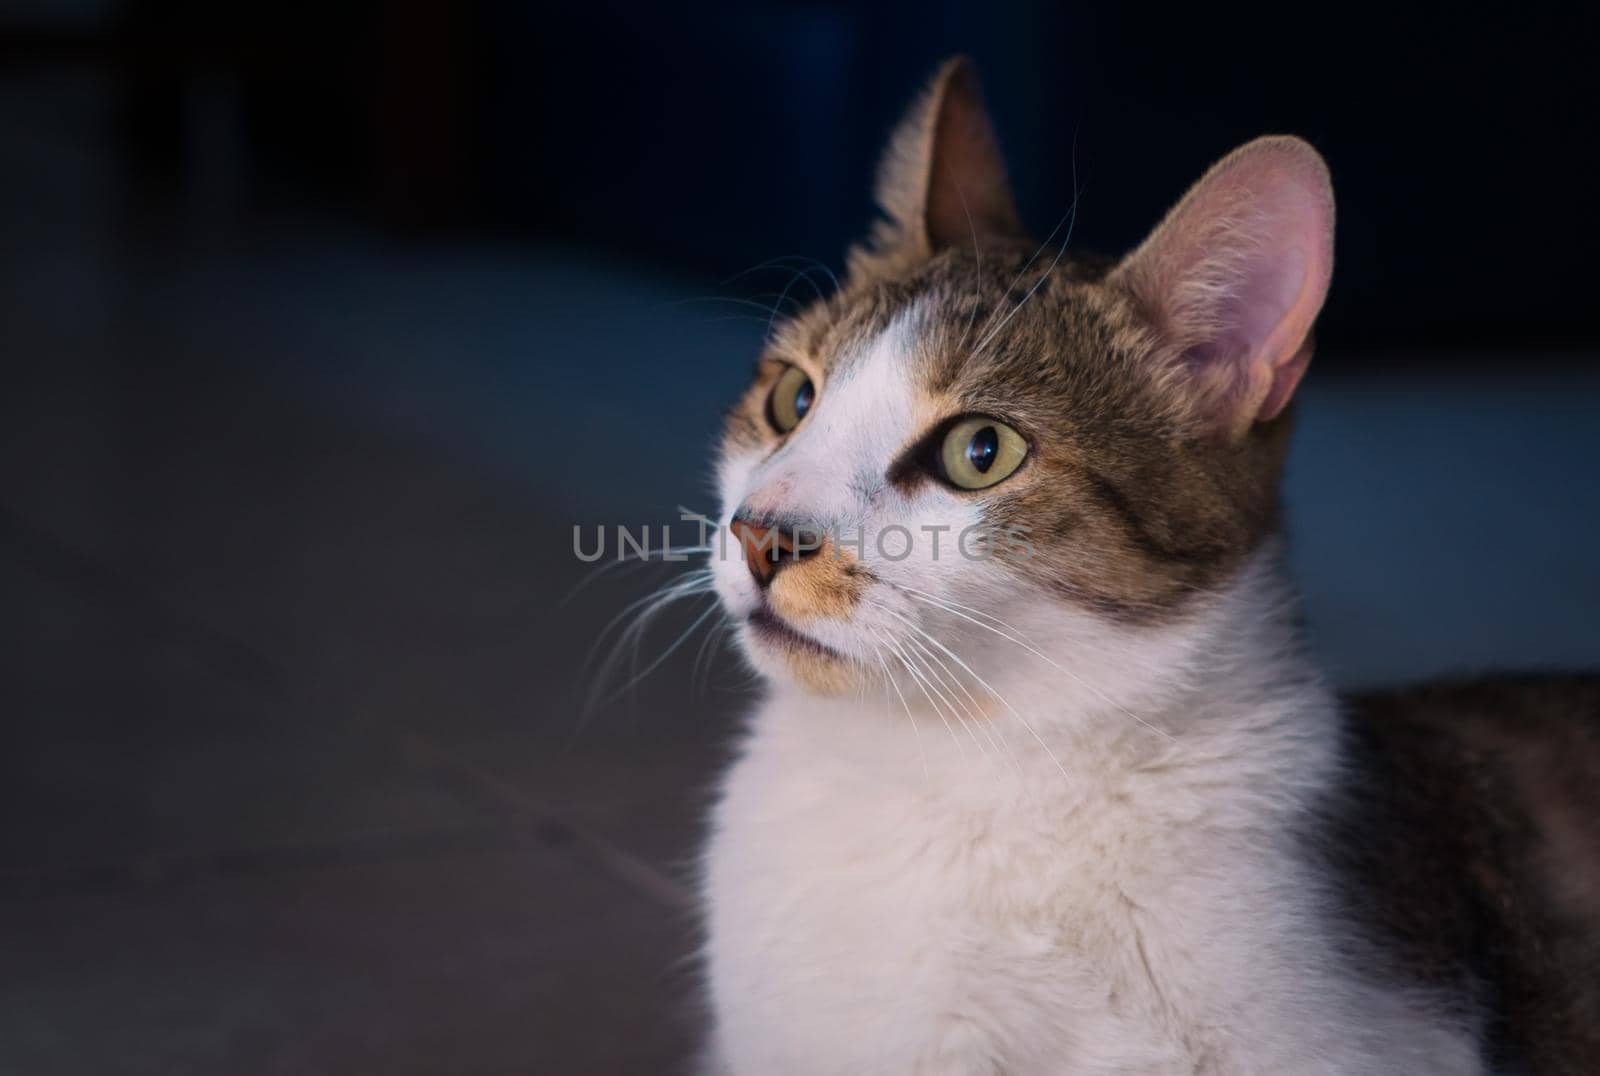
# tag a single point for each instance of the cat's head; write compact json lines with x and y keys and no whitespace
{"x":1012,"y":458}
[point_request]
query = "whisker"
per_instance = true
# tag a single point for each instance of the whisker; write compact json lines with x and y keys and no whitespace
{"x":977,"y":273}
{"x":665,"y":654}
{"x":937,"y":683}
{"x":1072,"y":215}
{"x":927,"y":660}
{"x":1000,"y":742}
{"x":923,"y":684}
{"x":951,"y":603}
{"x":700,"y":671}
{"x":669,"y":592}
{"x":889,"y":674}
{"x":1030,"y":648}
{"x":784,"y":294}
{"x":815,"y":263}
{"x":778,"y":263}
{"x":1036,"y":285}
{"x":753,"y":318}
{"x":895,"y":651}
{"x":634,"y":634}
{"x":986,"y":686}
{"x":729,"y":299}
{"x":643,"y":610}
{"x":653,"y":556}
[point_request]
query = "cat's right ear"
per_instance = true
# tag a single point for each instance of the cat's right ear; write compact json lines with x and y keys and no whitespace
{"x":942,"y":181}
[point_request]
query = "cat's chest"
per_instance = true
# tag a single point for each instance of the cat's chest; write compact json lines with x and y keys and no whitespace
{"x":942,"y":928}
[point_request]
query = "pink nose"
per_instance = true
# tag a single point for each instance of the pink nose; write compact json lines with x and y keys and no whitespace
{"x":766,"y":549}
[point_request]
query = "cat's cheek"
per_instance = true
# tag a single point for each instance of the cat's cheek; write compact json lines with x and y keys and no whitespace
{"x":731,"y":581}
{"x":926,"y":540}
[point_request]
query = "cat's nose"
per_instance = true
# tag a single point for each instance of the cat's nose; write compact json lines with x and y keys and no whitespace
{"x":771,"y":545}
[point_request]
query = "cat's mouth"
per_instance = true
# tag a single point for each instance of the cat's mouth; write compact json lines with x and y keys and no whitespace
{"x":772,"y":628}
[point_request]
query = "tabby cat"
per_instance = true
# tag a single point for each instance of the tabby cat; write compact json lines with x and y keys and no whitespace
{"x":1043,"y":780}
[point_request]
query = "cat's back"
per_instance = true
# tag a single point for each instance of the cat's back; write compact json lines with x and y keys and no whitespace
{"x":1468,"y":846}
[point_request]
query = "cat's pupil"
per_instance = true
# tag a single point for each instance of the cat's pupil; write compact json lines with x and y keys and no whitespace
{"x":982,"y":448}
{"x":802,"y":400}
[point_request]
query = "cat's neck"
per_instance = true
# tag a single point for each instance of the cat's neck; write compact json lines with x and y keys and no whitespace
{"x":1230,"y":684}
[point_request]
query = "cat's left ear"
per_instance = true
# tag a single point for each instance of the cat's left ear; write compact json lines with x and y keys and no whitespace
{"x":1234,"y":278}
{"x":942,"y":181}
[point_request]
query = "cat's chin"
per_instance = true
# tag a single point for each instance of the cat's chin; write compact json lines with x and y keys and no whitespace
{"x":784,"y":653}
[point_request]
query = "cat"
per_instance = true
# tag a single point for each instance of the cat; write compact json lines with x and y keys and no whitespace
{"x":1064,"y":794}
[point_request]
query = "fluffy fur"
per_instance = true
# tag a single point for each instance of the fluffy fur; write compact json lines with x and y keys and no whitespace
{"x":1088,"y":810}
{"x":884,"y":903}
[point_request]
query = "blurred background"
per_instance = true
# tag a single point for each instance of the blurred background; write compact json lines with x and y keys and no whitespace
{"x":323,"y":325}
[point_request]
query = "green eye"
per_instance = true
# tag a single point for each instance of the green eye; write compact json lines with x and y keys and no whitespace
{"x":791,"y":398}
{"x":978,"y":452}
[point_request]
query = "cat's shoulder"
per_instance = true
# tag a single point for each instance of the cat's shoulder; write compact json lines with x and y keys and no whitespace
{"x":1466,"y":841}
{"x":1500,"y":710}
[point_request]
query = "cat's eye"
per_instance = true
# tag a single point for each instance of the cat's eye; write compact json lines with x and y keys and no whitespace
{"x":791,"y":398}
{"x":977,"y":452}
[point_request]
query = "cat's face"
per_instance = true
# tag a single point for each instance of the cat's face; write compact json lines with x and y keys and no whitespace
{"x":1002,"y":456}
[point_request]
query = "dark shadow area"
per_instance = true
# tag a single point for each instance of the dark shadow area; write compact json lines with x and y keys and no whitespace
{"x":322,"y":329}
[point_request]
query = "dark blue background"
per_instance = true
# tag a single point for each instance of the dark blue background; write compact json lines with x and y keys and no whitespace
{"x":714,"y":136}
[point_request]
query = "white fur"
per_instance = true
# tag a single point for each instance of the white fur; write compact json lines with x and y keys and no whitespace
{"x":1096,"y":876}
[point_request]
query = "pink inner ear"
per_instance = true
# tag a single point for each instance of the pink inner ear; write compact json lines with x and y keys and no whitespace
{"x":1256,"y":344}
{"x":1255,"y":302}
{"x":1237,"y":273}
